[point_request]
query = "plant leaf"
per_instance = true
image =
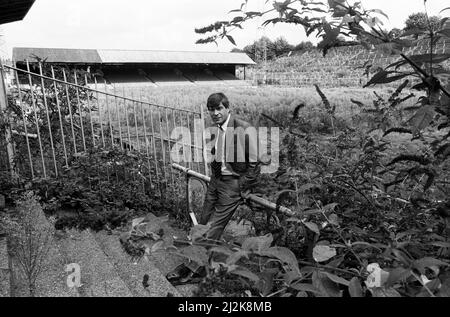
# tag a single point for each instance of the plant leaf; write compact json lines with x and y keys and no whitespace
{"x":198,"y":231}
{"x":322,"y":253}
{"x":422,"y":118}
{"x":257,"y":243}
{"x":247,"y":274}
{"x":284,"y":255}
{"x":221,"y":250}
{"x":355,"y":288}
{"x":337,"y":279}
{"x":137,"y":222}
{"x":334,"y":219}
{"x":157,"y":246}
{"x":312,"y":226}
{"x":382,"y":78}
{"x":396,"y":275}
{"x":423,"y":263}
{"x":231,"y":39}
{"x":326,"y":287}
{"x":236,"y":256}
{"x":195,"y":253}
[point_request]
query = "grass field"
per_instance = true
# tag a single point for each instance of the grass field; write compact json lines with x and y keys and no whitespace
{"x":250,"y":102}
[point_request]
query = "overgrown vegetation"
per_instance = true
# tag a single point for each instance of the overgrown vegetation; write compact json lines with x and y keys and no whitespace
{"x":83,"y":175}
{"x":30,"y":238}
{"x":372,"y":204}
{"x":370,"y":189}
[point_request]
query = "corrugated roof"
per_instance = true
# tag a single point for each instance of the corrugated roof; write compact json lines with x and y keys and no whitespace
{"x":58,"y":55}
{"x":14,"y":10}
{"x":173,"y":57}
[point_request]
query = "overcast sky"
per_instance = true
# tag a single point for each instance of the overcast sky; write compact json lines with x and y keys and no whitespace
{"x":160,"y":25}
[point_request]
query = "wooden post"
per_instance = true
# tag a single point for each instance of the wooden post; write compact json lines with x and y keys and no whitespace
{"x":8,"y":135}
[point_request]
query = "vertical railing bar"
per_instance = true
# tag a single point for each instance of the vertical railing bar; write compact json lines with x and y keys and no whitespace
{"x":204,"y":153}
{"x":99,"y":112}
{"x":174,"y":126}
{"x":181,"y":142}
{"x":199,"y":148}
{"x":118,"y":118}
{"x":168,"y":147}
{"x":24,"y":124}
{"x":194,"y":147}
{"x":79,"y":109}
{"x":69,"y":105}
{"x":162,"y":144}
{"x":88,"y":94}
{"x":58,"y":105}
{"x":155,"y":155}
{"x":126,"y":114}
{"x":176,"y":186}
{"x":128,"y":121}
{"x":135,"y":122}
{"x":33,"y":101}
{"x":186,"y":155}
{"x":109,"y":116}
{"x":146,"y":139}
{"x":90,"y":110}
{"x":48,"y":119}
{"x":190,"y":156}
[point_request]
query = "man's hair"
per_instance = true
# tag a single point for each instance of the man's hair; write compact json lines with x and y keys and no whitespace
{"x":216,"y":99}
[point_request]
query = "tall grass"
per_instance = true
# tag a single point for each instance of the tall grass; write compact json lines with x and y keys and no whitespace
{"x":251,"y":102}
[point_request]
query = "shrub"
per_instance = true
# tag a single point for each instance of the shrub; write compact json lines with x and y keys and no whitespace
{"x":30,"y":237}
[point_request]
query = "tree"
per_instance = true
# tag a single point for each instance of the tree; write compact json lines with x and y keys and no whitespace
{"x":420,"y":21}
{"x":282,"y":46}
{"x":261,"y":50}
{"x":265,"y":50}
{"x":303,"y":46}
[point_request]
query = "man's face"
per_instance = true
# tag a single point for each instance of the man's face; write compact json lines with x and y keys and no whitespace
{"x":219,"y":114}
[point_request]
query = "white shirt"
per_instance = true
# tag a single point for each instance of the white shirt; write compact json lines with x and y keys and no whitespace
{"x":221,"y":133}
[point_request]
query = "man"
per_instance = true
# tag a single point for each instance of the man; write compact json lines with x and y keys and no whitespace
{"x":234,"y":172}
{"x":234,"y":166}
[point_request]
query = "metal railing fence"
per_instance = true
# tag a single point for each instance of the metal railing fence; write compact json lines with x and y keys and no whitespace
{"x":58,"y":114}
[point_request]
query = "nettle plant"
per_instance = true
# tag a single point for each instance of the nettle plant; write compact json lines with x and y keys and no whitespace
{"x":368,"y":200}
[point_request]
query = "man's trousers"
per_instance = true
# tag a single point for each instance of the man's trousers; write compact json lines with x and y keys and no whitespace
{"x":222,"y":199}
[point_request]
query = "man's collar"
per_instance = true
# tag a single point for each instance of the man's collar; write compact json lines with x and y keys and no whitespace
{"x":224,"y":125}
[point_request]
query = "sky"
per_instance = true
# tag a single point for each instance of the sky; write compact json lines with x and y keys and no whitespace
{"x":162,"y":25}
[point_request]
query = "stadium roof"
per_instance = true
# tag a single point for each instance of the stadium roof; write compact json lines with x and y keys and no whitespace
{"x":14,"y":10}
{"x":85,"y":56}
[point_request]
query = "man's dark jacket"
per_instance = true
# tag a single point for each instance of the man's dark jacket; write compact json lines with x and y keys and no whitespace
{"x":241,"y":148}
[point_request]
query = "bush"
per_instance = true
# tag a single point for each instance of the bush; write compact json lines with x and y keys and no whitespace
{"x":30,"y":237}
